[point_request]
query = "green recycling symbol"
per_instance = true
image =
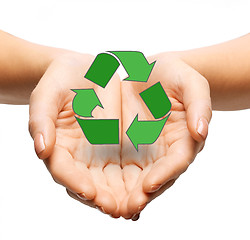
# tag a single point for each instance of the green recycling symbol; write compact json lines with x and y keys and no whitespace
{"x":106,"y":131}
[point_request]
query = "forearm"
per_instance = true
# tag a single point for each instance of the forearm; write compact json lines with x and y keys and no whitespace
{"x":226,"y":66}
{"x":22,"y":64}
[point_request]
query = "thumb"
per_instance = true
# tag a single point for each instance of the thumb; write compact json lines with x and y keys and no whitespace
{"x":43,"y":114}
{"x":197,"y":103}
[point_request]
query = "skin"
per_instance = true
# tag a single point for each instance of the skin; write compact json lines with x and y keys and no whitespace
{"x":79,"y":166}
{"x":157,"y":166}
{"x":116,"y":179}
{"x":226,"y":66}
{"x":22,"y":65}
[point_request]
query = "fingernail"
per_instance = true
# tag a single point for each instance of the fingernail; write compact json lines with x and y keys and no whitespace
{"x":155,"y":187}
{"x":113,"y":216}
{"x":82,"y":196}
{"x":39,"y":143}
{"x":101,"y":209}
{"x":135,"y":217}
{"x":141,"y":207}
{"x":202,"y":127}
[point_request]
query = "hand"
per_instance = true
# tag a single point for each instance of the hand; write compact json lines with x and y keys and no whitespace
{"x":119,"y":184}
{"x":91,"y":173}
{"x":156,"y":167}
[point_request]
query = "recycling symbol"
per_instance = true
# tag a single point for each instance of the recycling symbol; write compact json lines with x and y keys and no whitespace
{"x":106,"y":131}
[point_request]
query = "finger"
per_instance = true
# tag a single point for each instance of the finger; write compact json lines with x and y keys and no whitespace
{"x":131,"y":173}
{"x":138,"y":199}
{"x":89,"y":203}
{"x":104,"y":198}
{"x":157,"y":193}
{"x":133,"y":161}
{"x":114,"y":176}
{"x":179,"y":156}
{"x":48,"y":98}
{"x":144,"y":199}
{"x":43,"y":110}
{"x":66,"y":172}
{"x":136,"y":217}
{"x":197,"y":102}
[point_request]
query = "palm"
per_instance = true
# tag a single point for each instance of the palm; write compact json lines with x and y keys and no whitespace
{"x":162,"y":162}
{"x":117,"y":178}
{"x":74,"y":162}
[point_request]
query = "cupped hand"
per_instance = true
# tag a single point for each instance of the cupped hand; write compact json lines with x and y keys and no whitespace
{"x":90,"y":173}
{"x":116,"y":178}
{"x":156,"y":167}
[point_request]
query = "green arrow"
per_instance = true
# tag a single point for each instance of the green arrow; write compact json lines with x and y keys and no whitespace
{"x":145,"y":132}
{"x":85,"y":101}
{"x":135,"y":64}
{"x":100,"y":131}
{"x":102,"y":69}
{"x":156,"y":100}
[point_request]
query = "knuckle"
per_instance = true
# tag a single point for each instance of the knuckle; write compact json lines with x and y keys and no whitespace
{"x":33,"y":95}
{"x":54,"y":170}
{"x":55,"y":174}
{"x":31,"y":127}
{"x":183,"y":162}
{"x":55,"y":179}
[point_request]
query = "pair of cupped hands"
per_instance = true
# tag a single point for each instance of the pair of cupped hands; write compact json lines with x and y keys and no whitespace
{"x":117,"y":179}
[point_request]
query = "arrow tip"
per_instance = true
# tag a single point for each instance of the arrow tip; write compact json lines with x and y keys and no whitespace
{"x":152,"y":65}
{"x":150,"y":68}
{"x":99,"y":104}
{"x":136,"y":147}
{"x":142,"y":75}
{"x":130,"y":133}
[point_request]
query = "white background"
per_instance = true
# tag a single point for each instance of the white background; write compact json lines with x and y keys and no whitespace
{"x":210,"y":201}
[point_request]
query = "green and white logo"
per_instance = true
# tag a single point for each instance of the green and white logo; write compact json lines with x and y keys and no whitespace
{"x":106,"y":131}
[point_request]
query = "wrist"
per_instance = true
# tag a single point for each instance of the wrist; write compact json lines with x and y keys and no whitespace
{"x":228,"y":79}
{"x":45,"y":56}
